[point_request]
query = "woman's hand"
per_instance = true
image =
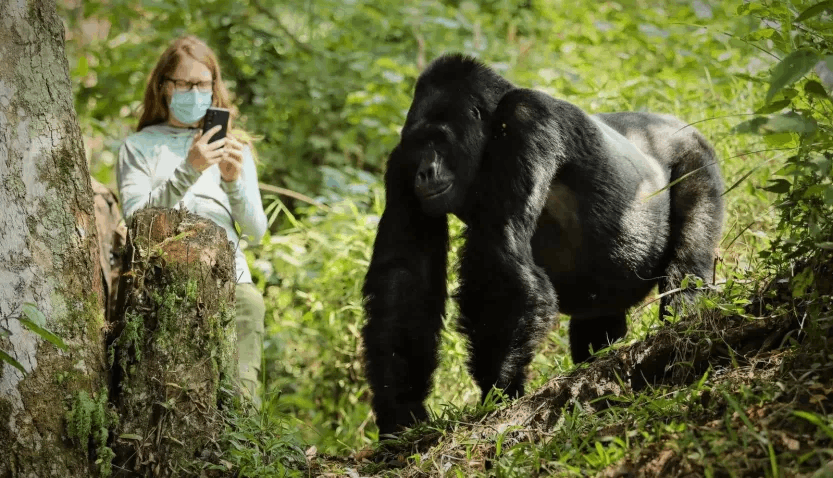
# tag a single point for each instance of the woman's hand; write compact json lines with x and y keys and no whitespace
{"x":203,"y":154}
{"x":232,"y":160}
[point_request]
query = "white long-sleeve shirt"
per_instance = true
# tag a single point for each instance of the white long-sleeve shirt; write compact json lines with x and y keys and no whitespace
{"x":152,"y":172}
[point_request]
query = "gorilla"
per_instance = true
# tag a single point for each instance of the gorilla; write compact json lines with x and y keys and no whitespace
{"x":563,"y":211}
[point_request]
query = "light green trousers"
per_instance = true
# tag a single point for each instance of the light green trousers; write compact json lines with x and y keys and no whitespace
{"x":250,"y":311}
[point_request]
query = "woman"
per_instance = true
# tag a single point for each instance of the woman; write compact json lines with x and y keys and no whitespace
{"x":169,"y":162}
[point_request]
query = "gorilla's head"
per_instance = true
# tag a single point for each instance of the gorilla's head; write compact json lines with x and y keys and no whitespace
{"x":447,"y":128}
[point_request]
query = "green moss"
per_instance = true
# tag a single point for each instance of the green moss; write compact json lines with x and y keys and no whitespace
{"x":132,"y":334}
{"x":85,"y":316}
{"x":15,"y":186}
{"x":89,"y":421}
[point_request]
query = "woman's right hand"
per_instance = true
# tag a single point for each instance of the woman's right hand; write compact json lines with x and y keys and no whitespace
{"x":203,"y":154}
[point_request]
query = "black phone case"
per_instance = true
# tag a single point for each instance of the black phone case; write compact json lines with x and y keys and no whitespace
{"x":213,"y":117}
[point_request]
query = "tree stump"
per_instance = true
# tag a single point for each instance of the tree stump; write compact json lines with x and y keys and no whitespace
{"x":172,"y":343}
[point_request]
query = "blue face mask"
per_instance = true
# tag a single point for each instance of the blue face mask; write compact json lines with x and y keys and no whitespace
{"x":188,"y":107}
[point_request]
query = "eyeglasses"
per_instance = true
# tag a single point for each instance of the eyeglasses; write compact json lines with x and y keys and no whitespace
{"x":185,"y":85}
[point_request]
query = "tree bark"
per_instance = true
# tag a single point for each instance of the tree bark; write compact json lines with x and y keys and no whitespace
{"x":48,"y":259}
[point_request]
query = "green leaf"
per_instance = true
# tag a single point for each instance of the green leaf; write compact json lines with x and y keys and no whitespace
{"x":781,"y":140}
{"x":791,"y":69}
{"x":825,"y":245}
{"x":778,"y":186}
{"x":773,"y":107}
{"x":802,"y":281}
{"x":130,"y":436}
{"x":761,"y":34}
{"x":814,"y":88}
{"x":791,"y":122}
{"x":44,"y":333}
{"x":815,"y":420}
{"x":82,"y":68}
{"x":749,"y":8}
{"x":750,"y":126}
{"x":14,"y":363}
{"x":814,"y":10}
{"x":31,"y":311}
{"x":753,"y":79}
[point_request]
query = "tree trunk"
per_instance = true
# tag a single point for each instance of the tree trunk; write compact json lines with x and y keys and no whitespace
{"x":53,"y":417}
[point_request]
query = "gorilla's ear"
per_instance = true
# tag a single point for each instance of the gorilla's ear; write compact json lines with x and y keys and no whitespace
{"x":475,"y":112}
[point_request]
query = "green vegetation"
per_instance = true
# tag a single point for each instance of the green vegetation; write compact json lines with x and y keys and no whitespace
{"x":89,"y":421}
{"x":325,"y":86}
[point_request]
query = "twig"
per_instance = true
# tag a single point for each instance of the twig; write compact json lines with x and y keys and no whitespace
{"x":293,"y":194}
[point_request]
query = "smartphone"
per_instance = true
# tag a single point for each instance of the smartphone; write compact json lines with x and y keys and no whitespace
{"x":214,"y":117}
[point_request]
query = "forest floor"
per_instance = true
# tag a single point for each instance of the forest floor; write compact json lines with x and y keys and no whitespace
{"x":745,"y":394}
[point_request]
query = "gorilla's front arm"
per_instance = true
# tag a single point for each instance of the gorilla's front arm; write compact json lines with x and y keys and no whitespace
{"x":405,"y":291}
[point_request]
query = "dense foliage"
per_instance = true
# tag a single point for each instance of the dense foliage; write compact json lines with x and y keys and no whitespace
{"x":325,"y":86}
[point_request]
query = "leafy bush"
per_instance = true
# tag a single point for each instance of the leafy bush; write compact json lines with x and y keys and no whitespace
{"x":795,"y":117}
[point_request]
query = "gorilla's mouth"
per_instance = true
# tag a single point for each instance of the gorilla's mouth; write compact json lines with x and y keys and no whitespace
{"x":438,"y":192}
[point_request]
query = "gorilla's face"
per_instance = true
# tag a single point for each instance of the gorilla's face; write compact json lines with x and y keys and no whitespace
{"x":447,"y":128}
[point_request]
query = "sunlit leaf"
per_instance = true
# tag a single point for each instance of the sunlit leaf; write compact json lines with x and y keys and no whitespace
{"x":781,"y":140}
{"x":34,"y":314}
{"x":761,"y":34}
{"x":791,"y":69}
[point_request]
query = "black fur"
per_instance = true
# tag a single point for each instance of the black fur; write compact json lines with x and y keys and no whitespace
{"x":562,"y":214}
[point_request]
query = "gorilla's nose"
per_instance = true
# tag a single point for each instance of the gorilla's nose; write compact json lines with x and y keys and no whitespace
{"x":427,"y":173}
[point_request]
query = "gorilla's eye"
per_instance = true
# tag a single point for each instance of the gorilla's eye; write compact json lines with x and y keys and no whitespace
{"x":475,"y":112}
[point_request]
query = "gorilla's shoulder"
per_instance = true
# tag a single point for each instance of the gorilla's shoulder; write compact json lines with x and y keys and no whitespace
{"x":525,"y":107}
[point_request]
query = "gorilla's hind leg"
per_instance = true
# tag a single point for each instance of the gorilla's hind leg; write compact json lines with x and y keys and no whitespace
{"x":595,"y":332}
{"x":696,"y":219}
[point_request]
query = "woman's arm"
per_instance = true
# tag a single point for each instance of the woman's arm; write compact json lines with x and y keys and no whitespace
{"x":244,"y":197}
{"x":135,"y":181}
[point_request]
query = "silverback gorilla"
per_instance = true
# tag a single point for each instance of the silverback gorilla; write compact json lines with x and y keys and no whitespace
{"x":562,"y":214}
